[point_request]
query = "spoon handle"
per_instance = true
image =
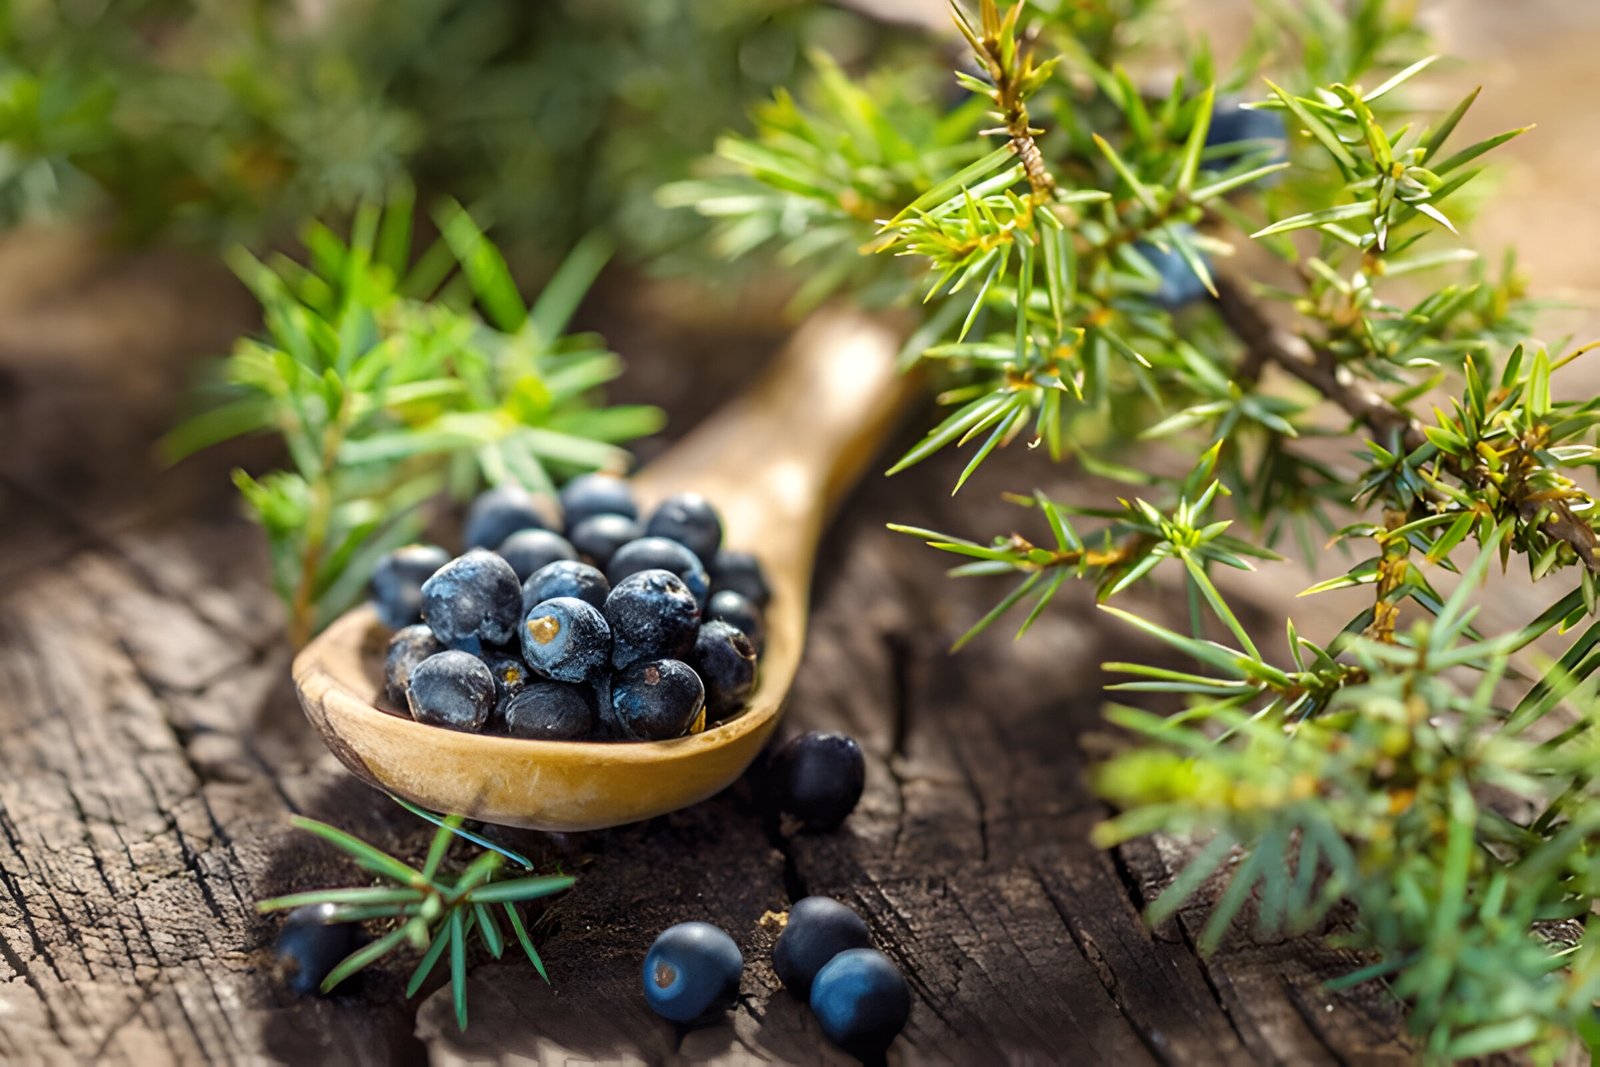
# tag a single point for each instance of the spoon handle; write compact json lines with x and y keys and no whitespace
{"x":778,"y":460}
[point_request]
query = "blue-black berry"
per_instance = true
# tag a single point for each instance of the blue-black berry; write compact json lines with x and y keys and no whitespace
{"x":740,"y":572}
{"x":1236,"y":132}
{"x":566,"y":639}
{"x":452,"y":689}
{"x":691,"y":972}
{"x":565,"y":577}
{"x":310,"y":946}
{"x":529,"y":550}
{"x":657,"y":700}
{"x":407,"y":648}
{"x":598,"y":537}
{"x":732,"y":608}
{"x":597,"y":494}
{"x":511,"y":675}
{"x":1179,"y":285}
{"x":652,"y":615}
{"x":550,"y":711}
{"x":661,"y":553}
{"x":819,"y":928}
{"x":726,"y":662}
{"x":498,"y":513}
{"x":818,"y":777}
{"x":473,"y":601}
{"x":397,"y":583}
{"x":861,"y":1000}
{"x":690,"y":520}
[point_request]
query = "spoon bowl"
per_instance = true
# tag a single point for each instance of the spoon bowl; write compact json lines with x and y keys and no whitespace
{"x":775,"y":462}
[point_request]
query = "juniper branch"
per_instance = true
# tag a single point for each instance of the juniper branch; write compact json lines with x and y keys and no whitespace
{"x":1268,"y":344}
{"x":1360,"y":770}
{"x":1010,"y":65}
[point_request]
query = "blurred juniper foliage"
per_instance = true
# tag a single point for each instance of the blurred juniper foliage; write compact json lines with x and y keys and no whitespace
{"x":221,"y":121}
{"x":1067,"y":235}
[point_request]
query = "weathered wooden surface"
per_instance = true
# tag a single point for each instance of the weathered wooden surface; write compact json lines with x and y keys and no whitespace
{"x":150,"y":751}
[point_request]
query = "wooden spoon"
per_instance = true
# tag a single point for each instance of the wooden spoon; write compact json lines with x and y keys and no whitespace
{"x":775,"y":462}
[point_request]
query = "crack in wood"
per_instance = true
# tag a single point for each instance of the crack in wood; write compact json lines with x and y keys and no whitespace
{"x":1150,"y":1033}
{"x":976,"y":790}
{"x":899,"y":653}
{"x":135,"y":1009}
{"x":1314,"y":1025}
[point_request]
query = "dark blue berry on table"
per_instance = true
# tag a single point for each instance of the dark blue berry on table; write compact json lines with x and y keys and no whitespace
{"x":657,"y":700}
{"x":690,"y":520}
{"x":397,"y":583}
{"x":663,"y":554}
{"x":732,"y":608}
{"x":818,"y":929}
{"x":598,"y":537}
{"x":861,"y":1000}
{"x":1179,"y":285}
{"x":588,"y":495}
{"x":310,"y":946}
{"x":452,"y":689}
{"x":652,"y":615}
{"x":566,"y":639}
{"x":473,"y":601}
{"x":529,"y":550}
{"x":726,"y":662}
{"x":565,"y":577}
{"x":510,"y":675}
{"x":692,"y":972}
{"x":818,"y":778}
{"x":1237,"y":132}
{"x":550,"y":711}
{"x":407,"y":648}
{"x":498,"y":513}
{"x":741,"y":572}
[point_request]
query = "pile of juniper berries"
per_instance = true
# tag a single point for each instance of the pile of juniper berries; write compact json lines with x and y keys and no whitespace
{"x":575,"y":619}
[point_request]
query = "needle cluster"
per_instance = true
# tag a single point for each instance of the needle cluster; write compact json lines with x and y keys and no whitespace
{"x":393,"y":383}
{"x":432,"y":909}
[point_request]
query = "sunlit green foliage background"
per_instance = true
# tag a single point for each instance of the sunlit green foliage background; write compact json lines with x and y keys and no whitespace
{"x":227,"y":120}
